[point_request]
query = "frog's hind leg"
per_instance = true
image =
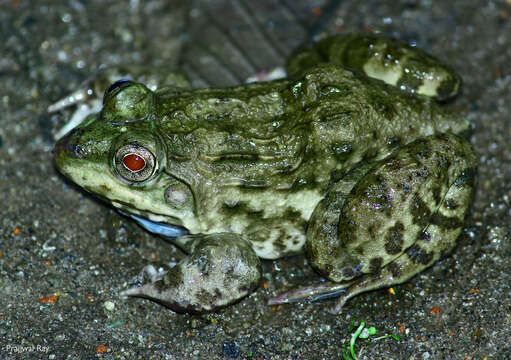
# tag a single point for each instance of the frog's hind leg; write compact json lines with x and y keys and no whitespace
{"x":382,"y":224}
{"x":389,"y":60}
{"x":436,"y":239}
{"x":322,"y":234}
{"x":220,"y":269}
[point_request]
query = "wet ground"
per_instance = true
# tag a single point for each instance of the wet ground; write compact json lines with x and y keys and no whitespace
{"x":64,"y":256}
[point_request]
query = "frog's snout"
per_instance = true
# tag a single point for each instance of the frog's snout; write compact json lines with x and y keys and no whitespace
{"x":67,"y":147}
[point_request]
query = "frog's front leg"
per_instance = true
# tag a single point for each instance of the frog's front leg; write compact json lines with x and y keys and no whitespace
{"x":220,"y":269}
{"x":385,"y":222}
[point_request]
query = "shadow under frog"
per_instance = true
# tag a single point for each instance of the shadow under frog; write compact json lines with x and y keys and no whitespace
{"x":349,"y":158}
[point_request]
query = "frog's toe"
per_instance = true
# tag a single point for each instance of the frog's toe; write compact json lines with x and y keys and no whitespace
{"x":220,"y":269}
{"x":337,"y":308}
{"x":310,"y":293}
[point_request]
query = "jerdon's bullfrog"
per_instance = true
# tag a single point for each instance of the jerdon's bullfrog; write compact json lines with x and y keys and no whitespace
{"x":350,"y":158}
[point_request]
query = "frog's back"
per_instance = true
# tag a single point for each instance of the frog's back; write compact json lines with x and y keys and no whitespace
{"x":355,"y":118}
{"x":328,"y":119}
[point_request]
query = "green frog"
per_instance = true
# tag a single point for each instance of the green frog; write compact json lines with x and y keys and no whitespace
{"x":349,"y":158}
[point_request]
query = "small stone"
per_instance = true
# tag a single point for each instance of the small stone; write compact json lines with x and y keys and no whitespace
{"x":109,"y":305}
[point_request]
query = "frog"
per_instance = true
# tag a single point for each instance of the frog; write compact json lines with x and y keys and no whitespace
{"x":350,"y":159}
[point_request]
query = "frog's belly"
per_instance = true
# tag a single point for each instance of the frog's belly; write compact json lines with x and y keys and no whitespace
{"x":275,"y":222}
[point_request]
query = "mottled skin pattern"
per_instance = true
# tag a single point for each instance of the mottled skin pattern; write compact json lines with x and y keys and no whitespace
{"x":374,"y":182}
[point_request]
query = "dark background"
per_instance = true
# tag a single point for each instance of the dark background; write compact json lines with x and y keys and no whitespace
{"x":56,"y":240}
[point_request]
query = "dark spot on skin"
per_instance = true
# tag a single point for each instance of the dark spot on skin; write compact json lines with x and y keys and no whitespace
{"x":340,"y":118}
{"x":442,"y":163}
{"x":348,"y":273}
{"x":405,"y":188}
{"x":205,"y":297}
{"x":393,"y":142}
{"x":451,"y":204}
{"x":375,"y":265}
{"x":420,"y":211}
{"x":424,"y":235}
{"x":382,"y":105}
{"x":371,"y":229}
{"x":295,"y":217}
{"x":306,"y":182}
{"x":394,"y":164}
{"x":421,"y":173}
{"x":369,"y":155}
{"x":444,"y":222}
{"x":238,"y":207}
{"x":359,"y":250}
{"x":172,"y":279}
{"x":418,"y":255}
{"x":336,"y":175}
{"x":160,"y":286}
{"x":436,"y":194}
{"x":243,"y":289}
{"x":394,"y":239}
{"x":378,"y":195}
{"x":202,"y":266}
{"x":447,"y":87}
{"x":347,"y":228}
{"x":424,"y":150}
{"x":278,"y":243}
{"x":283,"y":169}
{"x":394,"y":269}
{"x":341,"y":150}
{"x":467,"y":178}
{"x":218,"y":293}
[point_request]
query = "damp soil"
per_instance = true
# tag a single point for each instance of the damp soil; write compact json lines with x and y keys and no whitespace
{"x":65,"y":256}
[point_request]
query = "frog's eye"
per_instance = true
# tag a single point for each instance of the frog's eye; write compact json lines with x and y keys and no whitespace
{"x":134,"y":163}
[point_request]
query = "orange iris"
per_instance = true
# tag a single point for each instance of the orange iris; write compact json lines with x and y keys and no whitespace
{"x":133,"y":162}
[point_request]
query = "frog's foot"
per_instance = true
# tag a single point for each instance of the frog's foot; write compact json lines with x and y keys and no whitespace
{"x":221,"y":269}
{"x":87,"y":99}
{"x":268,"y":75}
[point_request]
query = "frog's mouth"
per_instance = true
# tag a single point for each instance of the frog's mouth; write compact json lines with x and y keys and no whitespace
{"x":128,"y":210}
{"x":162,"y":225}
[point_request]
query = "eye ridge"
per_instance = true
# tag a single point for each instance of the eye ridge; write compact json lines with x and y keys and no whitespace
{"x":115,"y":88}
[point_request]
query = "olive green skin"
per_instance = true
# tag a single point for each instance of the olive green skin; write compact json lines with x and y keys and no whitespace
{"x":373,"y":180}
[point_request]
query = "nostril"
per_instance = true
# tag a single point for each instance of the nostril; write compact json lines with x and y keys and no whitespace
{"x":70,"y":148}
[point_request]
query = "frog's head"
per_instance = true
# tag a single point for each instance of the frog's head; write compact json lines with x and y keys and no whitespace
{"x":118,"y":156}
